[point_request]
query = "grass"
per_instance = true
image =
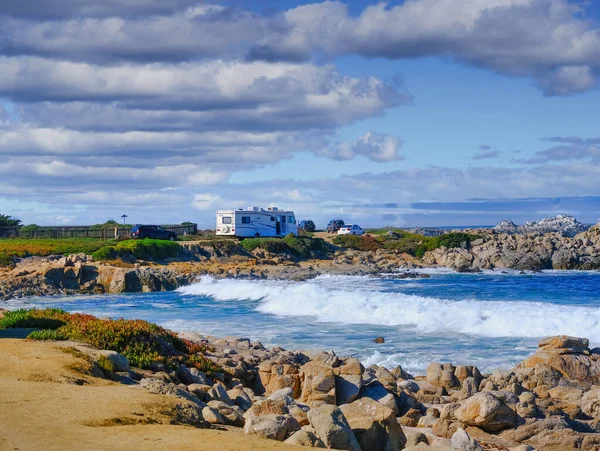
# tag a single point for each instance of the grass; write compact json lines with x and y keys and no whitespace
{"x":63,"y":246}
{"x":143,"y":343}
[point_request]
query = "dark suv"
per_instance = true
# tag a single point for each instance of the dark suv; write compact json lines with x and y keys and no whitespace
{"x":152,"y":231}
{"x":307,"y":225}
{"x":334,"y":225}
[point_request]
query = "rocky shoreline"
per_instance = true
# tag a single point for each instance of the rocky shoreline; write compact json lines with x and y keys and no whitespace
{"x":79,"y":274}
{"x":550,"y":401}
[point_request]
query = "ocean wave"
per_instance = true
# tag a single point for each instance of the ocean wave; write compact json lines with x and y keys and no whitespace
{"x":359,"y":302}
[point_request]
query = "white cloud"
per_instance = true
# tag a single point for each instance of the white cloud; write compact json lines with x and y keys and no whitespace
{"x":374,"y":146}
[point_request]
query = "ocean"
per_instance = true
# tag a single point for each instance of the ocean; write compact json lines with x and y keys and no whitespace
{"x":492,"y":319}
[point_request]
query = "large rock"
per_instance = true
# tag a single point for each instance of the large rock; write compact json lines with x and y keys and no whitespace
{"x":590,"y":403}
{"x":374,"y":425}
{"x":305,"y":438}
{"x":564,"y":344}
{"x":218,"y":393}
{"x":275,"y":427}
{"x":332,"y":428}
{"x":488,"y":411}
{"x":376,"y":391}
{"x":319,"y":383}
{"x":463,"y":442}
{"x":119,"y":362}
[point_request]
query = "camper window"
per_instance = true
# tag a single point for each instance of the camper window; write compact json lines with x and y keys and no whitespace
{"x":245,"y":219}
{"x":291,"y":220}
{"x":272,"y":218}
{"x":226,"y":219}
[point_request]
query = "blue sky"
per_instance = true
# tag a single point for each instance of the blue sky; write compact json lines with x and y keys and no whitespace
{"x":409,"y":113}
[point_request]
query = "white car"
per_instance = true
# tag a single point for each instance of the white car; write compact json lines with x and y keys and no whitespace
{"x":351,"y":229}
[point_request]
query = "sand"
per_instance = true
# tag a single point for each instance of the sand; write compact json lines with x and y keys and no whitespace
{"x":47,"y":402}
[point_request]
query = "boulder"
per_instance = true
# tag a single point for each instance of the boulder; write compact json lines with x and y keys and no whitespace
{"x":374,"y":425}
{"x":275,"y":427}
{"x":319,"y":383}
{"x":332,"y":428}
{"x":212,"y":415}
{"x":305,"y":438}
{"x":463,"y":442}
{"x":590,"y":403}
{"x":347,"y":388}
{"x":267,"y":407}
{"x":218,"y":393}
{"x":564,"y":344}
{"x":488,"y":411}
{"x":240,"y":398}
{"x":376,"y":391}
{"x":232,"y":415}
{"x":119,"y":362}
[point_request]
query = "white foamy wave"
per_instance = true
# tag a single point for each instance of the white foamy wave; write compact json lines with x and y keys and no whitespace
{"x":360,"y":303}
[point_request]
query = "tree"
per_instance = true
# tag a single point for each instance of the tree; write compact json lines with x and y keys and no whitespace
{"x":8,"y":221}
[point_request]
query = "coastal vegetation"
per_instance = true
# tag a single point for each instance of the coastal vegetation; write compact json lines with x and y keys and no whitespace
{"x":301,"y":246}
{"x":144,"y":344}
{"x":20,"y":248}
{"x":139,"y":249}
{"x":402,"y":241}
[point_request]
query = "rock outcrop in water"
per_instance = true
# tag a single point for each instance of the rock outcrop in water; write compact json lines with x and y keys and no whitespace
{"x":534,"y":251}
{"x":563,"y":223}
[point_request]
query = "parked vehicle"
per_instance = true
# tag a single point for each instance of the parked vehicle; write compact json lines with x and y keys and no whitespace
{"x":307,"y":225}
{"x":334,"y":225}
{"x":351,"y":229}
{"x":140,"y":231}
{"x":256,"y":222}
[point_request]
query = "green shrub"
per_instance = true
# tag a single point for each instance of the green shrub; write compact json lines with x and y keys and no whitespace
{"x":306,"y":246}
{"x":105,"y":253}
{"x":140,"y":249}
{"x":360,"y":243}
{"x":46,"y":334}
{"x":7,"y":259}
{"x":143,"y":343}
{"x":50,"y":318}
{"x":274,"y":245}
{"x":106,"y":365}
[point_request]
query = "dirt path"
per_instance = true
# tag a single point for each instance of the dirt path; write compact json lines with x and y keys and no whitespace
{"x":46,"y":403}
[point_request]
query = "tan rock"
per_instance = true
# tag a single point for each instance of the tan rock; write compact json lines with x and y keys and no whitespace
{"x":488,"y":411}
{"x":374,"y":425}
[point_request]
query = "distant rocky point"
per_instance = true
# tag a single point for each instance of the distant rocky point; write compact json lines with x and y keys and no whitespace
{"x":562,"y":223}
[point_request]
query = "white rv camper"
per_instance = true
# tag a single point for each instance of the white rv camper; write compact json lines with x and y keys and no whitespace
{"x":256,"y":222}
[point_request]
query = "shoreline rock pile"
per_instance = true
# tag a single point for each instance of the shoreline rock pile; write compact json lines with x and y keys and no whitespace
{"x":564,"y":224}
{"x":551,"y":401}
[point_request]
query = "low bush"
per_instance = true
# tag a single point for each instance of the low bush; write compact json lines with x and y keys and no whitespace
{"x":306,"y":246}
{"x":143,"y":343}
{"x":410,"y":243}
{"x":140,"y":249}
{"x":274,"y":245}
{"x":359,"y":243}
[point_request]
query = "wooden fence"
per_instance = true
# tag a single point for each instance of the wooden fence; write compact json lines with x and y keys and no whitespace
{"x":83,"y":231}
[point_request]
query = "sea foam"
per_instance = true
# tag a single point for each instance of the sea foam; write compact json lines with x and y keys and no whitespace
{"x":361,"y":301}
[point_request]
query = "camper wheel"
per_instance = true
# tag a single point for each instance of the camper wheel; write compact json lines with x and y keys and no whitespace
{"x":257,"y":235}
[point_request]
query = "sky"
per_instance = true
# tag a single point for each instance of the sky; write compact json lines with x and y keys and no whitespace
{"x":405,"y":113}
